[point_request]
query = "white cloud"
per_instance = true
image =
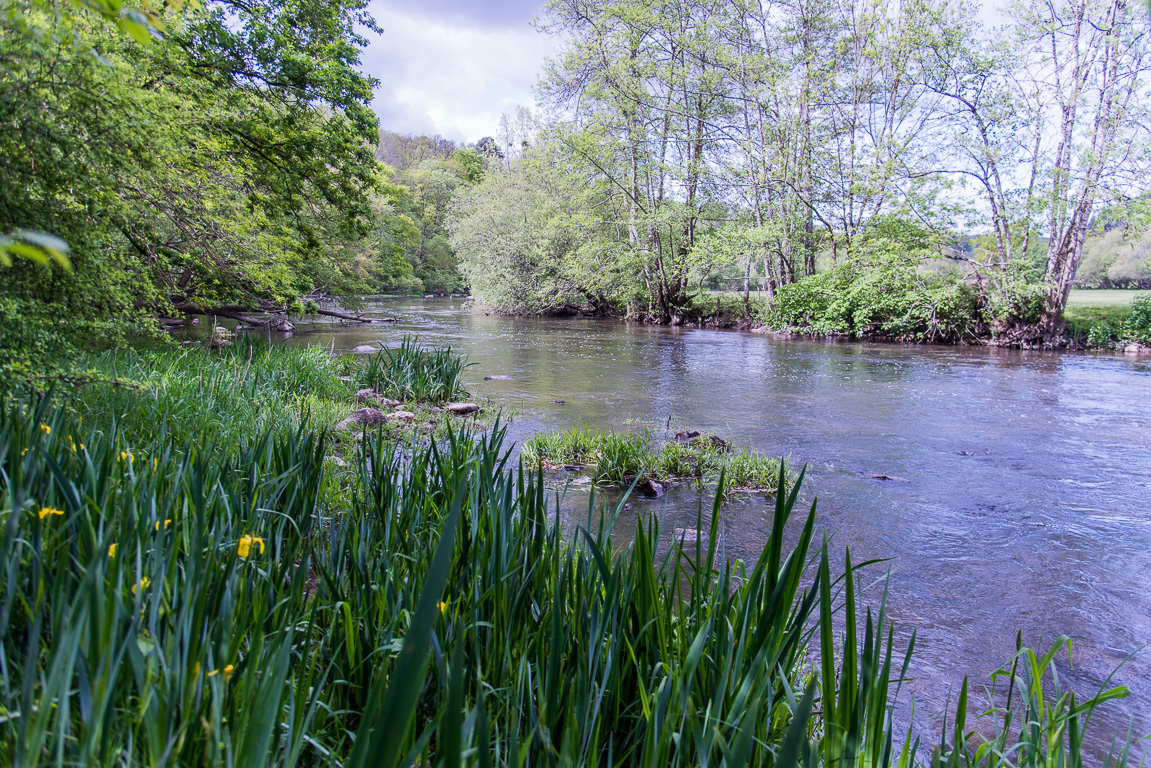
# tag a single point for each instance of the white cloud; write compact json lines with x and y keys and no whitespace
{"x":450,"y":75}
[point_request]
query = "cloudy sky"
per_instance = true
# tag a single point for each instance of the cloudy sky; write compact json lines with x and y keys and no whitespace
{"x":453,"y":66}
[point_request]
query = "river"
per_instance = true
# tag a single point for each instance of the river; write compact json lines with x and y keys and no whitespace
{"x":1028,"y":501}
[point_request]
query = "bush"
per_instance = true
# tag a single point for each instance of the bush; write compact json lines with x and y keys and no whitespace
{"x":882,"y":298}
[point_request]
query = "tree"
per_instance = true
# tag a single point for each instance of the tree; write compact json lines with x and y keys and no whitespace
{"x":209,"y":170}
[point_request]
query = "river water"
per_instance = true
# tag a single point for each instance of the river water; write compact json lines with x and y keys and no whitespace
{"x":1028,"y":501}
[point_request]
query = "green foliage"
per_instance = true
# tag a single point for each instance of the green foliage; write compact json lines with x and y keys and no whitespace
{"x":1103,"y":327}
{"x":617,"y":458}
{"x":881,"y":296}
{"x":224,"y":164}
{"x":414,"y":372}
{"x":526,"y":239}
{"x":215,"y":398}
{"x":1041,"y":723}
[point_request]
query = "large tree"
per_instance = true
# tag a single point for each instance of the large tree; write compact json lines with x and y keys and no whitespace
{"x":209,"y":170}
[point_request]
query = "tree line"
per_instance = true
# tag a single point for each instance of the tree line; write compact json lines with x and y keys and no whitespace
{"x":687,"y":136}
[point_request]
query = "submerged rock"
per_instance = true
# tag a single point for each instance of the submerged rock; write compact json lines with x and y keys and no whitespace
{"x":889,"y":477}
{"x":498,"y":377}
{"x":364,"y":349}
{"x":687,"y":535}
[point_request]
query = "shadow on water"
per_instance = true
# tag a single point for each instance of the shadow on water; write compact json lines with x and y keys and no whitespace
{"x":1029,"y":501}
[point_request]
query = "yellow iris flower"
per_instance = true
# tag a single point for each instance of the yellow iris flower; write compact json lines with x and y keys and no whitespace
{"x":244,"y":548}
{"x":45,"y":511}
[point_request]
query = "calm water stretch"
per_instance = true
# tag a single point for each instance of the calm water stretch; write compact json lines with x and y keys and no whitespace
{"x":1028,"y":504}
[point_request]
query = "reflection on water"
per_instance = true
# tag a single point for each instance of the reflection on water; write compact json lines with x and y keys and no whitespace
{"x":1028,"y":506}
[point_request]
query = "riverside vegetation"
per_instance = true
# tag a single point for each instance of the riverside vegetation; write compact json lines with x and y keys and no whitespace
{"x":615,"y":458}
{"x":188,"y":579}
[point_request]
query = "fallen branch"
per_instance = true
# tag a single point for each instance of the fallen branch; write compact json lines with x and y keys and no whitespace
{"x":344,"y":316}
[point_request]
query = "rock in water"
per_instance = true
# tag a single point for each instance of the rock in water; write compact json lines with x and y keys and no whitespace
{"x":685,"y":437}
{"x":889,"y":477}
{"x":461,"y":409}
{"x":281,"y":325}
{"x":651,"y":488}
{"x":364,"y":349}
{"x":686,"y":535}
{"x":368,"y":417}
{"x":719,"y":444}
{"x":497,"y":377}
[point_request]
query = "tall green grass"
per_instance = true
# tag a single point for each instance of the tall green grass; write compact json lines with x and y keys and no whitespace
{"x":214,"y":397}
{"x":181,"y":604}
{"x":415,"y":372}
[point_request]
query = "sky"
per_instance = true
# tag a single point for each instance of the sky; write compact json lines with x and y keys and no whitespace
{"x":451,"y":67}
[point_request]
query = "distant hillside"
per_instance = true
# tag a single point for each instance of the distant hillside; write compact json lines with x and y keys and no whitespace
{"x":1116,"y":259}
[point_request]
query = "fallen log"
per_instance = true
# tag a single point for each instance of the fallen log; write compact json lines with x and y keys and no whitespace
{"x":344,"y":316}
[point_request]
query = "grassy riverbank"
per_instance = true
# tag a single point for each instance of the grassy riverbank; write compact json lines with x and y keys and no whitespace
{"x":178,"y":589}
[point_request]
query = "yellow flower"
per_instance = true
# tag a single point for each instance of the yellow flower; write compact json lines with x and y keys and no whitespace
{"x":155,"y":462}
{"x":228,"y":672}
{"x":71,"y":443}
{"x":444,"y":606}
{"x":144,"y":582}
{"x":46,"y":429}
{"x":112,"y":549}
{"x":45,"y":511}
{"x":24,"y":452}
{"x":244,"y":548}
{"x":125,"y":456}
{"x":166,"y":524}
{"x":213,"y":673}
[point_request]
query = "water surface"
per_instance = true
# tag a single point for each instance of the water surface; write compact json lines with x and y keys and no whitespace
{"x":1029,"y":501}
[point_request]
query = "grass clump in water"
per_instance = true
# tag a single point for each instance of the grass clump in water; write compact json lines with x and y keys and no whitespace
{"x":618,"y":458}
{"x":413,"y":372}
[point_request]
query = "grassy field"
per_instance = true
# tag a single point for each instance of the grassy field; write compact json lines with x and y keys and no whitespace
{"x":1081,"y":297}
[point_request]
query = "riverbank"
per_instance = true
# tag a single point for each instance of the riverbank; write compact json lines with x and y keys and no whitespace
{"x":198,"y":546}
{"x":1095,"y":320}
